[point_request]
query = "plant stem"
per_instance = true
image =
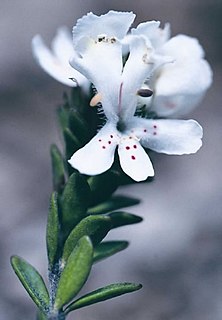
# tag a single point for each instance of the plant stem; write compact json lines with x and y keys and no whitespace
{"x":58,"y":316}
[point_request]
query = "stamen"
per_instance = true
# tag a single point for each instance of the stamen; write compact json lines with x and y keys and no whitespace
{"x":101,"y":38}
{"x":145,"y":93}
{"x":95,"y":100}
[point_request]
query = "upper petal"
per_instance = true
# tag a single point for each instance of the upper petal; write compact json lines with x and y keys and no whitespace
{"x":151,"y":31}
{"x":169,"y":136}
{"x":56,"y":67}
{"x":112,"y":24}
{"x":101,"y":63}
{"x":137,"y":68}
{"x":97,"y":156}
{"x":134,"y":160}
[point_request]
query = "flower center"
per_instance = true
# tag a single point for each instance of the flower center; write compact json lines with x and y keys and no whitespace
{"x":121,"y":126}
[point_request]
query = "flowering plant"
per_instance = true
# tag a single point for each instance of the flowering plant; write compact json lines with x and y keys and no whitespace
{"x":135,"y":80}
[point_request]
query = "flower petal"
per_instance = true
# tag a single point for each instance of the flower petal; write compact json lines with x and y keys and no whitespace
{"x":151,"y":31}
{"x":97,"y":156}
{"x":134,"y":160}
{"x":111,"y":24}
{"x":62,"y":45}
{"x":101,"y":63}
{"x":137,"y":68}
{"x":53,"y":66}
{"x":180,"y":86}
{"x":183,"y":47}
{"x":168,"y":136}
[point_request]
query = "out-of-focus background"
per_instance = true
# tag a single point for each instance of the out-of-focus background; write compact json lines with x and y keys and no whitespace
{"x":177,"y":251}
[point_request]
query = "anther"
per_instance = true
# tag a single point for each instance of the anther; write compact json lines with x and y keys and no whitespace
{"x":95,"y":100}
{"x":145,"y":93}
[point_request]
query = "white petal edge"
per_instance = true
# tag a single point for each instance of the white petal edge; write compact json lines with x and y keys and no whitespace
{"x":133,"y":159}
{"x":183,"y":47}
{"x":50,"y":64}
{"x":169,"y":136}
{"x":96,"y":156}
{"x":62,"y":45}
{"x":153,"y":33}
{"x":112,"y":24}
{"x":180,"y":87}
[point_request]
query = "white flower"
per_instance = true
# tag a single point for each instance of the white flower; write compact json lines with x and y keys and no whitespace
{"x":178,"y":86}
{"x":98,"y":56}
{"x":56,"y":61}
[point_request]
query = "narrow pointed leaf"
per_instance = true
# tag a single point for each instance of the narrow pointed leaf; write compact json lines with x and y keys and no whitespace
{"x":102,"y":186}
{"x":107,"y":249}
{"x":52,"y":232}
{"x":120,"y":218}
{"x":78,"y":99}
{"x":58,"y":169}
{"x":94,"y":226}
{"x":74,"y":202}
{"x":63,"y":114}
{"x":103,"y":294}
{"x":115,"y":203}
{"x":75,"y":272}
{"x":71,"y":142}
{"x":78,"y":126}
{"x":32,"y":282}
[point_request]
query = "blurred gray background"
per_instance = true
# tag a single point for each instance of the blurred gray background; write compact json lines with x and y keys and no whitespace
{"x":177,"y":251}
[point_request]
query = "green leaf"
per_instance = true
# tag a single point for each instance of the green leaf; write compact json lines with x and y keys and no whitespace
{"x":52,"y":232}
{"x":103,"y":294}
{"x":115,"y":203}
{"x":63,"y":114}
{"x":71,"y":142}
{"x":75,"y":272}
{"x":94,"y":226}
{"x":74,"y":202}
{"x":120,"y":218}
{"x":58,"y":169}
{"x":102,"y":186}
{"x":107,"y":249}
{"x":78,"y":126}
{"x":79,"y":99}
{"x":32,"y":282}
